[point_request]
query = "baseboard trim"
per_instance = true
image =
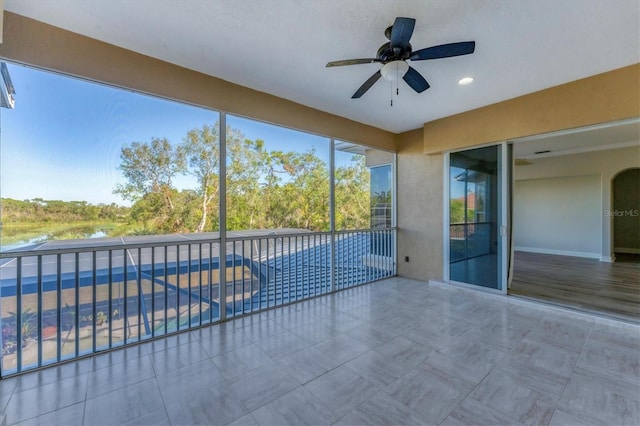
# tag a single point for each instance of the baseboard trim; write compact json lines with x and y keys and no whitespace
{"x":477,"y":289}
{"x":626,"y":250}
{"x":585,"y":254}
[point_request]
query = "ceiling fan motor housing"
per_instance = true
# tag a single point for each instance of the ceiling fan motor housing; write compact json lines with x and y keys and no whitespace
{"x":386,"y":53}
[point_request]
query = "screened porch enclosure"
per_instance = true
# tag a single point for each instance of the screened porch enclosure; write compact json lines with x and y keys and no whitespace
{"x":175,"y":217}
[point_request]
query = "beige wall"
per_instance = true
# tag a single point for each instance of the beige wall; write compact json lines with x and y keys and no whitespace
{"x":602,"y":98}
{"x":607,"y":164}
{"x":420,"y":209}
{"x":34,"y":43}
{"x":376,"y":157}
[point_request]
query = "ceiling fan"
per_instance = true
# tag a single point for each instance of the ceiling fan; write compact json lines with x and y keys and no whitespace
{"x":394,"y":55}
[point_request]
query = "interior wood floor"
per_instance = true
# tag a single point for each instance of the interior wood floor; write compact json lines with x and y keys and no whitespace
{"x":612,"y":289}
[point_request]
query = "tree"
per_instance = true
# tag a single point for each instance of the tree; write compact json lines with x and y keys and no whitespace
{"x":149,"y":169}
{"x":456,"y":211}
{"x":201,"y":151}
{"x":265,"y":189}
{"x":307,"y":189}
{"x":248,"y":164}
{"x":353,"y":204}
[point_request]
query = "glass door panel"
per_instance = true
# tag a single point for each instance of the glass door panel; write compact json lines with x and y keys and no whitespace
{"x":475,"y":197}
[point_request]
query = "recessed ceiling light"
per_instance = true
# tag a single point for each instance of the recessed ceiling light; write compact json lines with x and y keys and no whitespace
{"x":465,"y":81}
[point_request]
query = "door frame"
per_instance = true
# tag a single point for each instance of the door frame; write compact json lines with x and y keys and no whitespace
{"x":503,"y":218}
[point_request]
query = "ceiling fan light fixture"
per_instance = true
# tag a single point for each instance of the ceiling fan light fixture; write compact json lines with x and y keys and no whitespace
{"x":394,"y":69}
{"x":466,"y":80}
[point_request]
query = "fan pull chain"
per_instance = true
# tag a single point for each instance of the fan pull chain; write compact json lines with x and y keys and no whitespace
{"x":391,"y":93}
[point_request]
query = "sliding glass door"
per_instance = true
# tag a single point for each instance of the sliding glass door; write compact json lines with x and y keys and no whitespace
{"x":476,"y":228}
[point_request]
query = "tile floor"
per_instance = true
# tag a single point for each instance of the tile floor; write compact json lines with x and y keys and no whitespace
{"x":393,"y":352}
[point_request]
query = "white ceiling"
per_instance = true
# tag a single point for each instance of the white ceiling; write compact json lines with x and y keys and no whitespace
{"x":281,"y":46}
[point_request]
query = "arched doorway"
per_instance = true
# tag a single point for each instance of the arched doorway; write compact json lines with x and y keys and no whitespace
{"x":626,"y":215}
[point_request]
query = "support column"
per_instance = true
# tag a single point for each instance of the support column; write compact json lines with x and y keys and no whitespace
{"x":332,"y":213}
{"x":223,"y":215}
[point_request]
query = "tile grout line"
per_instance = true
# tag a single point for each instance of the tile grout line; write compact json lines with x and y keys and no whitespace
{"x":564,"y":389}
{"x":487,"y":375}
{"x":478,"y":384}
{"x":84,"y":407}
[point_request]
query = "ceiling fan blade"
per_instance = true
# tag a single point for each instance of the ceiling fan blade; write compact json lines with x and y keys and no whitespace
{"x":415,"y":80}
{"x":401,"y":32}
{"x":367,"y":85}
{"x":352,"y":62}
{"x":444,"y":51}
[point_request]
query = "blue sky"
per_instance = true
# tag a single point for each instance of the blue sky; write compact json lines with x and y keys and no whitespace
{"x":456,"y":187}
{"x":63,"y":139}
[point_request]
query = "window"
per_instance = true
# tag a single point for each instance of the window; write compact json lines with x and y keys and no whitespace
{"x":85,"y":160}
{"x":363,"y":187}
{"x":381,"y":202}
{"x":130,"y":187}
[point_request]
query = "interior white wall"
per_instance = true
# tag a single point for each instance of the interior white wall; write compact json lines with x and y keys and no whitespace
{"x":558,"y":215}
{"x":607,"y":164}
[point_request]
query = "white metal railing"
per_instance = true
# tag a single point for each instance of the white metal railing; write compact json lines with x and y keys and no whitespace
{"x":64,"y":303}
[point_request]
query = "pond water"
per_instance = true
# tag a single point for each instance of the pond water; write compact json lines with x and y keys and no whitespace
{"x":83,"y":232}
